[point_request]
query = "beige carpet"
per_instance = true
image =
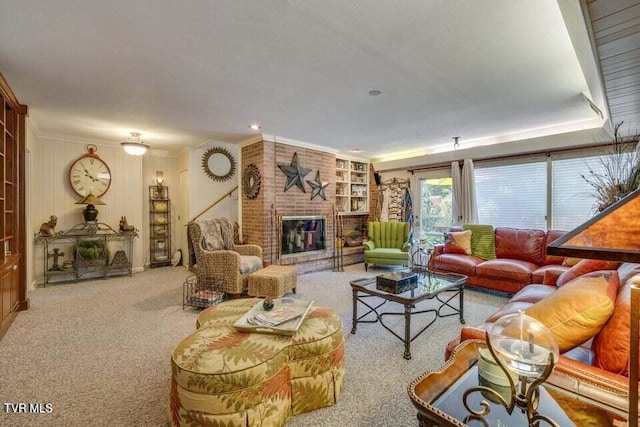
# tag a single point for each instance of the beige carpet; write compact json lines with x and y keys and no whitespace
{"x":99,"y":352}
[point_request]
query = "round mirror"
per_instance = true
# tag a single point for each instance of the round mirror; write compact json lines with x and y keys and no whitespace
{"x":251,"y":181}
{"x":218,"y":164}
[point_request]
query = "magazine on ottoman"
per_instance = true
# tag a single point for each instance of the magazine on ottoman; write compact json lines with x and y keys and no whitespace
{"x":284,"y":318}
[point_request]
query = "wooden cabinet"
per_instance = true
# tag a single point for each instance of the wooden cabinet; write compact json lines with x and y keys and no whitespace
{"x":160,"y":224}
{"x":9,"y":288}
{"x":12,"y":202}
{"x":352,"y":186}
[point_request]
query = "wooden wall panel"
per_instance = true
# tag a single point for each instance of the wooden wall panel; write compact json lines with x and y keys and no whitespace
{"x":616,"y":30}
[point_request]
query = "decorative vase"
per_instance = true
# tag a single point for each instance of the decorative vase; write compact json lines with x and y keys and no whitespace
{"x":90,"y":213}
{"x":267,"y":304}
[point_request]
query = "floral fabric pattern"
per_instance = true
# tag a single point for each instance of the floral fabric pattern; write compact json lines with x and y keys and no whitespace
{"x":224,"y":377}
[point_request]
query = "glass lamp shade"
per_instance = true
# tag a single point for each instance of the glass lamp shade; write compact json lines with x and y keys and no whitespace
{"x":134,"y":148}
{"x":523,"y":344}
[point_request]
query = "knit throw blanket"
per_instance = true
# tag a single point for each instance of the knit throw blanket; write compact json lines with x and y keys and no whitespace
{"x":217,"y":234}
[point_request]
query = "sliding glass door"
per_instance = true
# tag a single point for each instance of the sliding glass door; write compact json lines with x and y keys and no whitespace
{"x":435,"y":207}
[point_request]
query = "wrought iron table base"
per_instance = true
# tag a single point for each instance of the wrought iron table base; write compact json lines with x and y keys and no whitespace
{"x":408,"y":312}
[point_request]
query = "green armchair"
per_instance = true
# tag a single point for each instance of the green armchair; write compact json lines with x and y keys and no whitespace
{"x":388,"y":244}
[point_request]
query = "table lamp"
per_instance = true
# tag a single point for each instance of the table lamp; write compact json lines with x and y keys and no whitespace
{"x":90,"y":213}
{"x":613,"y":235}
{"x":523,"y":346}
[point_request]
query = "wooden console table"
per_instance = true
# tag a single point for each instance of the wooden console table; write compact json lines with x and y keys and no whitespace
{"x":64,"y":262}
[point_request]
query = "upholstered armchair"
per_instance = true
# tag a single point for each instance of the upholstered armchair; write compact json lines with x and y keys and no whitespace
{"x":388,"y":243}
{"x":218,"y":260}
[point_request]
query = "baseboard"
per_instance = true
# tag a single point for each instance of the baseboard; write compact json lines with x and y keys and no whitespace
{"x":137,"y":269}
{"x":23,"y":305}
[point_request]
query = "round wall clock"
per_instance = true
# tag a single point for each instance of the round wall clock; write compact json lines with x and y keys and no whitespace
{"x":251,"y":181}
{"x":89,"y":174}
{"x":218,"y":164}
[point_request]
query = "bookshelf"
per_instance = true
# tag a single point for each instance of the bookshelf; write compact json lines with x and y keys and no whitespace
{"x":352,"y":186}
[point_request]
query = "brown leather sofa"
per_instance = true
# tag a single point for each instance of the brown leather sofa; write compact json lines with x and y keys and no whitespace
{"x":598,"y":368}
{"x":521,"y":260}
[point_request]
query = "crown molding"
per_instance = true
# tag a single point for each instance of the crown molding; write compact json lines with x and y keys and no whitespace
{"x":353,"y":158}
{"x":287,"y":141}
{"x":251,"y":140}
{"x":156,"y":152}
{"x":74,"y":138}
{"x":8,"y":93}
{"x":214,"y":141}
{"x":33,"y":126}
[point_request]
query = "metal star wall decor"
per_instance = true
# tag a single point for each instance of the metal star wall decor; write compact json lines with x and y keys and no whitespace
{"x":294,"y":173}
{"x":317,"y":187}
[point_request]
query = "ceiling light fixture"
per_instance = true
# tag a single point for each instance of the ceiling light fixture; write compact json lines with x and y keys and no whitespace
{"x":375,"y":92}
{"x":255,"y":126}
{"x":135,"y":148}
{"x":456,"y":144}
{"x":355,"y":150}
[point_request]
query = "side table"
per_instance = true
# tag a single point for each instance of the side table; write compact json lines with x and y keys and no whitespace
{"x":421,"y":255}
{"x":438,"y":398}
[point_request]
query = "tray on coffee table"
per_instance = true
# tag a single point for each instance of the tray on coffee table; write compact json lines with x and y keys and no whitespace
{"x":297,"y":308}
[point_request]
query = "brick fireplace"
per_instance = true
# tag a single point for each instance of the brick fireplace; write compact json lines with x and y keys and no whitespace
{"x":260,"y":216}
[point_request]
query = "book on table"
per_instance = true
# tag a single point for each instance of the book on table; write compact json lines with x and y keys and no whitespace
{"x":397,"y":282}
{"x":276,"y":316}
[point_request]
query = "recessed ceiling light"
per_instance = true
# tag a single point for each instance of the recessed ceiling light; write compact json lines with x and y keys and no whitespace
{"x":375,"y":92}
{"x":355,"y":150}
{"x":255,"y":126}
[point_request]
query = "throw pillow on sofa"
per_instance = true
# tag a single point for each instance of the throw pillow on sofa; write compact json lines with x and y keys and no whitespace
{"x":483,"y":243}
{"x":583,"y":267}
{"x":578,"y":310}
{"x":570,"y":262}
{"x":457,"y":242}
{"x":611,"y":346}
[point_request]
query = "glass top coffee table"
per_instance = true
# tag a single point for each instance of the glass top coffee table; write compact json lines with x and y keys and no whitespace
{"x":438,"y":397}
{"x":440,"y":286}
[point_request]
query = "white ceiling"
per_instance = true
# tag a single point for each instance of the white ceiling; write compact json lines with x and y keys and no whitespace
{"x":186,"y":72}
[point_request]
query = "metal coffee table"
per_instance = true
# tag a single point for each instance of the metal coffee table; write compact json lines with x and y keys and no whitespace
{"x":430,"y":286}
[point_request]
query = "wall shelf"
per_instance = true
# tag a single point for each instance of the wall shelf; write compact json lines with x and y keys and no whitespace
{"x":160,"y":226}
{"x":352,"y":187}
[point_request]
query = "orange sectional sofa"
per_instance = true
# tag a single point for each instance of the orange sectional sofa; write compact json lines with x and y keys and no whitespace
{"x":588,"y":310}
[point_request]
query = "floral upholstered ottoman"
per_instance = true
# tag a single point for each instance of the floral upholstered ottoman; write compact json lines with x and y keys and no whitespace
{"x":221,"y":376}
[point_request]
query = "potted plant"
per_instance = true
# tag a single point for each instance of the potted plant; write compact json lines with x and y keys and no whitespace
{"x":620,"y":173}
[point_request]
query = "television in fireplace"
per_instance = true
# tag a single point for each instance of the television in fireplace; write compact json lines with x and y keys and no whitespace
{"x":302,"y":235}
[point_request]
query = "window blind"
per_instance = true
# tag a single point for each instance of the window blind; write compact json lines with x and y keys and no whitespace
{"x":512,"y":195}
{"x":572,"y":201}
